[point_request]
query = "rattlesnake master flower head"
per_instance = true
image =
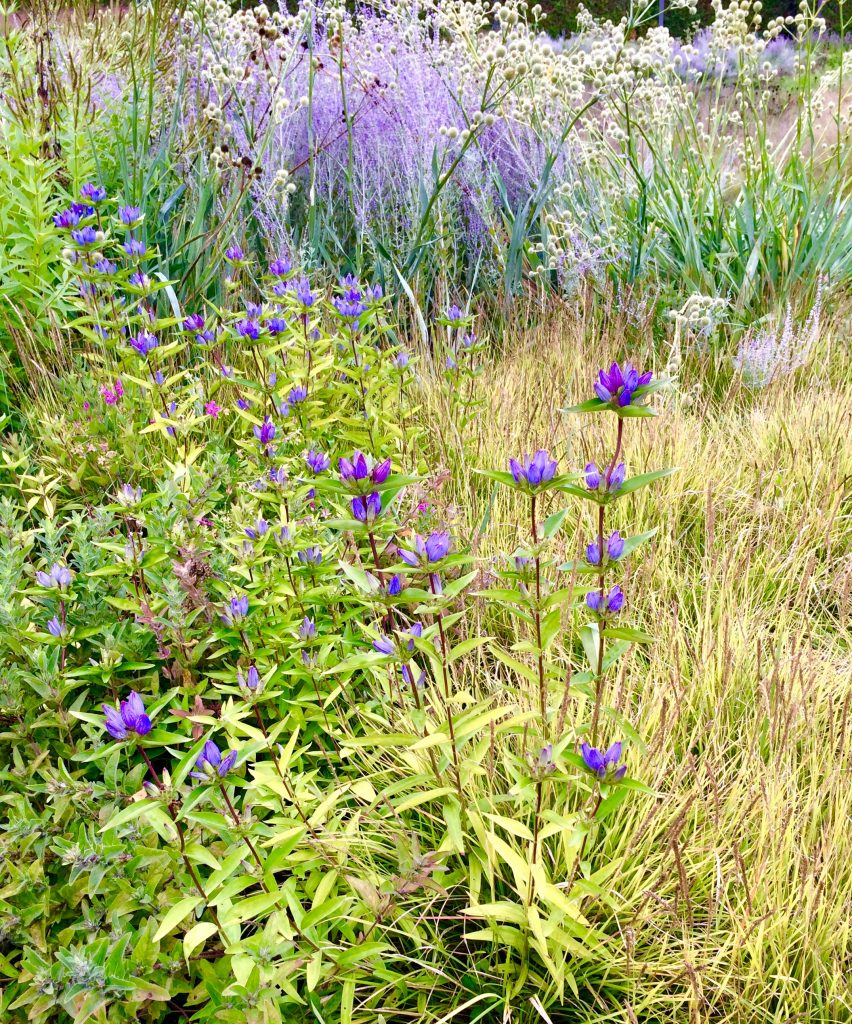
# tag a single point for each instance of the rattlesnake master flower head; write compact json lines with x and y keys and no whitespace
{"x":532,"y":473}
{"x":603,"y":763}
{"x":59,"y":577}
{"x":609,"y":604}
{"x":130,"y":717}
{"x":211,"y":765}
{"x":617,"y":386}
{"x":614,"y":549}
{"x":235,"y":610}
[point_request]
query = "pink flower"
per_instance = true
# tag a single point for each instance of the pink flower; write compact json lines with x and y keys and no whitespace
{"x":110,"y":397}
{"x":212,"y":409}
{"x":119,"y":388}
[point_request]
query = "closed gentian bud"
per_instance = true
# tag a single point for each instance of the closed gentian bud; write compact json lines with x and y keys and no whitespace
{"x":437,"y":545}
{"x":593,"y":553}
{"x":234,"y":254}
{"x":593,"y":476}
{"x":381,"y":472}
{"x":66,"y":219}
{"x":357,"y":469}
{"x":210,"y":764}
{"x":55,"y":628}
{"x":304,"y":293}
{"x":601,"y":763}
{"x":280,"y":267}
{"x":308,"y":629}
{"x":617,"y":386}
{"x":250,"y":681}
{"x":367,"y":509}
{"x":317,"y":462}
{"x":384,"y":645}
{"x":248,"y":329}
{"x":194,"y":323}
{"x":310,"y":556}
{"x":615,"y":546}
{"x":85,"y":237}
{"x":532,"y":473}
{"x":235,"y":610}
{"x":130,"y":717}
{"x":130,"y":215}
{"x":276,"y":325}
{"x":266,"y":432}
{"x":416,"y":632}
{"x":93,"y":193}
{"x":59,"y":577}
{"x":395,"y":586}
{"x":616,"y":478}
{"x":297,"y":394}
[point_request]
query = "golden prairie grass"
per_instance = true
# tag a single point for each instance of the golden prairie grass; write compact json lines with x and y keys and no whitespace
{"x":733,"y":888}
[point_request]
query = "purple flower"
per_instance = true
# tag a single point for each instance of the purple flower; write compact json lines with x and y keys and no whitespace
{"x":533,"y":472}
{"x":437,"y":545}
{"x":276,"y":325}
{"x":303,"y":292}
{"x":595,"y":480}
{"x":280,"y":267}
{"x":599,"y":763}
{"x":130,"y":717}
{"x":250,"y":681}
{"x":401,"y":359}
{"x":139,"y":279}
{"x":415,"y":633}
{"x":395,"y":586}
{"x":144,"y":343}
{"x":133,"y":247}
{"x":355,"y":470}
{"x":85,"y":236}
{"x":234,"y":254}
{"x":614,"y":549}
{"x":194,"y":322}
{"x":384,"y":645}
{"x":318,"y":462}
{"x":609,"y":604}
{"x":210,"y":764}
{"x":105,"y":267}
{"x":257,"y":531}
{"x":278,"y":475}
{"x":455,"y":315}
{"x":297,"y":394}
{"x":308,"y":629}
{"x":618,"y":385}
{"x":55,"y":628}
{"x":93,"y":193}
{"x":381,"y":472}
{"x":366,"y":510}
{"x":129,"y":215}
{"x":235,"y":610}
{"x":265,"y":433}
{"x":248,"y":329}
{"x":66,"y":219}
{"x":82,"y":209}
{"x":310,"y":556}
{"x":59,"y":577}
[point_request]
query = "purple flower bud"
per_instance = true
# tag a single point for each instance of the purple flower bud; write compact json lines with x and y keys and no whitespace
{"x":265,"y":433}
{"x":617,"y":386}
{"x":248,"y":329}
{"x":235,"y":610}
{"x":194,"y":323}
{"x":297,"y":394}
{"x":234,"y":254}
{"x":133,"y":247}
{"x":144,"y":343}
{"x":276,"y":325}
{"x":250,"y":681}
{"x":303,"y":292}
{"x":602,"y":763}
{"x":55,"y":628}
{"x":437,"y":545}
{"x":210,"y":764}
{"x":317,"y":462}
{"x":93,"y":193}
{"x":129,"y":215}
{"x":308,"y":629}
{"x":616,"y":478}
{"x":367,"y":509}
{"x":280,"y":267}
{"x":130,"y":717}
{"x":532,"y":473}
{"x":593,"y":477}
{"x":85,"y":237}
{"x":381,"y":472}
{"x":383,"y":645}
{"x":310,"y":556}
{"x":59,"y":577}
{"x":66,"y":219}
{"x":394,"y":586}
{"x":615,"y":546}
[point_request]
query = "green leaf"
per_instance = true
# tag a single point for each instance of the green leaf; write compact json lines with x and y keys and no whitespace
{"x":178,"y":912}
{"x":635,"y":482}
{"x":590,"y":405}
{"x":633,"y":636}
